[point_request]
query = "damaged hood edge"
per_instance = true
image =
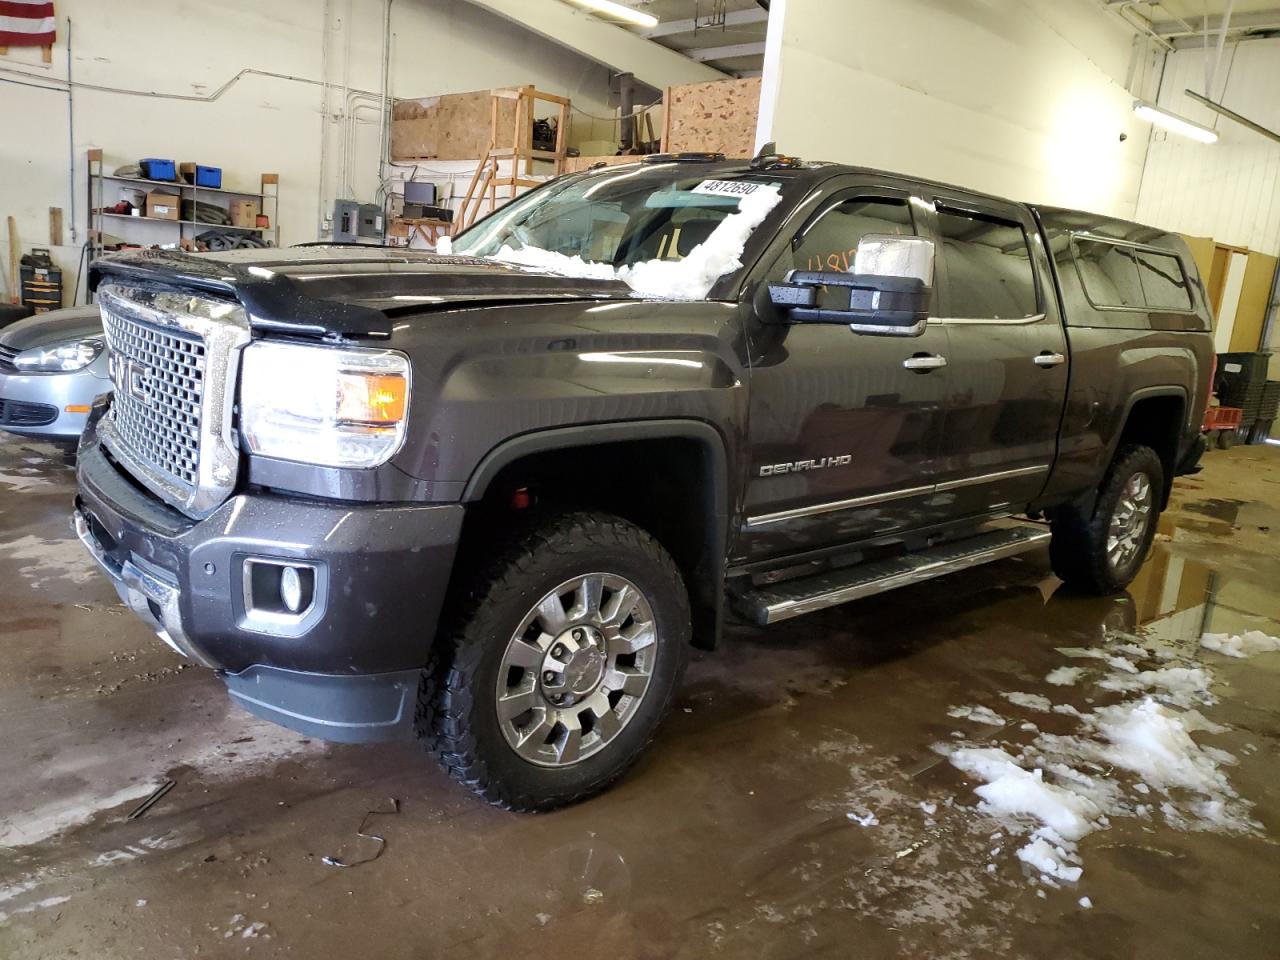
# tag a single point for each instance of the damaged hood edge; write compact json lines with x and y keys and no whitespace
{"x":343,"y":293}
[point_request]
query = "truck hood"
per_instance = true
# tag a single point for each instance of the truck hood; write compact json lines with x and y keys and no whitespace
{"x":73,"y":323}
{"x":333,"y":291}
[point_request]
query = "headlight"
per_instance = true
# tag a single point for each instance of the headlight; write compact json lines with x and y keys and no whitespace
{"x":331,"y":406}
{"x":59,"y":357}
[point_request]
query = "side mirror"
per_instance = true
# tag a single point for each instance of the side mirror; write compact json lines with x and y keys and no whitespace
{"x":888,"y":291}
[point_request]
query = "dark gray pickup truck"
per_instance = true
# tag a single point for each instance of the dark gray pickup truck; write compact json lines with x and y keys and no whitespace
{"x":492,"y":496}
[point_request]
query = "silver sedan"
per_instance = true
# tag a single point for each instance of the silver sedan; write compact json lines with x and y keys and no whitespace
{"x":52,"y":366}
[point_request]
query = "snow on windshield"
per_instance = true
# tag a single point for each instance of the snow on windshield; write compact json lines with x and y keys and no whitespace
{"x":689,"y":278}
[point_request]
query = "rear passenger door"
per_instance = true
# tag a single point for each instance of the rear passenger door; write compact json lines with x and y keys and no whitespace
{"x":1007,"y":356}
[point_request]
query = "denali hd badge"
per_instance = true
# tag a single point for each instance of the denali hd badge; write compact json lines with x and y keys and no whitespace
{"x":800,"y":466}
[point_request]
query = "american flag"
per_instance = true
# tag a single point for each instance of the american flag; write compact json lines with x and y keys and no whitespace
{"x":26,"y":23}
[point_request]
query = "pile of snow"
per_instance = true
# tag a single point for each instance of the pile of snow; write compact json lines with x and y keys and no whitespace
{"x":1011,"y":789}
{"x":557,"y":263}
{"x":1154,"y":742}
{"x":690,"y":278}
{"x":1248,"y":644}
{"x":1136,"y":758}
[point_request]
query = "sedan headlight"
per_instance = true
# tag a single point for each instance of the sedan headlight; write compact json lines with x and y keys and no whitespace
{"x":65,"y":357}
{"x":330,"y":406}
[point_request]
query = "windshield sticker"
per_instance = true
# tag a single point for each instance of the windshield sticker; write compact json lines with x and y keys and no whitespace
{"x":728,"y":188}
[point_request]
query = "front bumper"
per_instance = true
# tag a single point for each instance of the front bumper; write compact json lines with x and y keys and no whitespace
{"x":23,"y":396}
{"x":348,"y":669}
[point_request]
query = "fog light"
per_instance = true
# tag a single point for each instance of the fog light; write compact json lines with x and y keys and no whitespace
{"x":280,"y":591}
{"x":291,"y":589}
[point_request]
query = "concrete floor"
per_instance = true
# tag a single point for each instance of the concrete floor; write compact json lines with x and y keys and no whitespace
{"x":732,"y":837}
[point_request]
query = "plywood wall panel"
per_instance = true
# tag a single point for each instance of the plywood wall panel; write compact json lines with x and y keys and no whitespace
{"x":452,"y":127}
{"x":719,"y":117}
{"x":1255,"y":294}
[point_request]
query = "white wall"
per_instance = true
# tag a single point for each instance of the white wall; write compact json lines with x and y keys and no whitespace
{"x":1021,"y":98}
{"x":1229,"y":190}
{"x":183,"y":48}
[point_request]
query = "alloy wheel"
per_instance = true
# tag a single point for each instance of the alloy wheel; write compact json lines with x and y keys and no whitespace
{"x":576,"y":669}
{"x":1129,"y":522}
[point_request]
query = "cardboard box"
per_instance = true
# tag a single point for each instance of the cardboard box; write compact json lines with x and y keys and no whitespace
{"x":162,"y":206}
{"x":244,"y":213}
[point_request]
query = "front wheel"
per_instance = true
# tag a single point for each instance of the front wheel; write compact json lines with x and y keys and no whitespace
{"x":1103,"y":552}
{"x":560,"y":665}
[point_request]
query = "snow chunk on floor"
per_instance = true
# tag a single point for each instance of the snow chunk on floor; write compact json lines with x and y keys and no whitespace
{"x":690,"y":278}
{"x":1064,"y":676}
{"x":869,"y":820}
{"x":1083,"y":653}
{"x":1248,"y":644}
{"x":1182,"y":686}
{"x":1009,"y":789}
{"x":1045,"y":795}
{"x":977,"y":715}
{"x":1032,"y":701}
{"x":1052,"y":860}
{"x":1153,"y":741}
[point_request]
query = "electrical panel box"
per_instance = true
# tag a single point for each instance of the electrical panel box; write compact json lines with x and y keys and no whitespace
{"x":355,"y":222}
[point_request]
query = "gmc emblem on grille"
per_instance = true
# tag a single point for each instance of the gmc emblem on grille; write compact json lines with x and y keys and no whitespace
{"x":129,"y":377}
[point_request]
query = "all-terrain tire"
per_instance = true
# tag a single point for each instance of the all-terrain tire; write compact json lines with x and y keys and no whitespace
{"x":1079,"y":549}
{"x":457,"y":717}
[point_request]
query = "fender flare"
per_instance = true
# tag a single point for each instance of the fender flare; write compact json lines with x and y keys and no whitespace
{"x":1147,"y":393}
{"x":708,"y":593}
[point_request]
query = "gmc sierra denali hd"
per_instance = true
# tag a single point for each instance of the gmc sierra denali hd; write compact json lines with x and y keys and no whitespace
{"x":491,"y":496}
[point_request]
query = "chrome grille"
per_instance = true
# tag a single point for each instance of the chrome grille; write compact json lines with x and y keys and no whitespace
{"x":6,"y":358}
{"x":173,"y":358}
{"x":159,"y":376}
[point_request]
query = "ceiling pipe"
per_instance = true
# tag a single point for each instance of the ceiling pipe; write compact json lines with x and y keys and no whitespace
{"x":1232,"y":115}
{"x":1119,"y":7}
{"x":1211,"y":72}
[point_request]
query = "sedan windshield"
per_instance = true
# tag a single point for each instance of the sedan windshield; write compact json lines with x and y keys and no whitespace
{"x":619,"y":219}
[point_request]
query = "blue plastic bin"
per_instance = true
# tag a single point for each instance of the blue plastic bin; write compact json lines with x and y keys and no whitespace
{"x":155,"y":169}
{"x":202,"y":176}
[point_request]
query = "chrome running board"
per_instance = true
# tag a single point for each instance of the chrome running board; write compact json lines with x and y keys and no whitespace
{"x":791,"y":598}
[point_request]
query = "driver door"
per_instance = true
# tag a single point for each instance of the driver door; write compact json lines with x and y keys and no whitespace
{"x":844,"y":428}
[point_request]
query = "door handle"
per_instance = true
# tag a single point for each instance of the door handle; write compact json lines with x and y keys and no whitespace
{"x":1047,"y":359}
{"x":924,"y":362}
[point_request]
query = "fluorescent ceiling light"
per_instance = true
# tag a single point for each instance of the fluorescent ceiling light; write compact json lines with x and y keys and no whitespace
{"x":617,"y":11}
{"x":1171,"y":121}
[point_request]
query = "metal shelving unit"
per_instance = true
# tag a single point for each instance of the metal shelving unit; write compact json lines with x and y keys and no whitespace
{"x":268,"y":201}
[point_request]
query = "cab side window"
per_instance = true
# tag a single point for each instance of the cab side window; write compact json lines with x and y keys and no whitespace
{"x":988,"y":261}
{"x":830,"y":240}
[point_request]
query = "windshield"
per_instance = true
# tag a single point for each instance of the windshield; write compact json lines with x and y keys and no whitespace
{"x":606,"y":225}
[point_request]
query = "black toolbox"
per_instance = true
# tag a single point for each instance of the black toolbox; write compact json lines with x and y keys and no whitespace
{"x":41,"y":282}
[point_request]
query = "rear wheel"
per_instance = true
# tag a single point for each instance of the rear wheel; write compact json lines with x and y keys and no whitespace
{"x":1102,"y":552}
{"x":560,"y":665}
